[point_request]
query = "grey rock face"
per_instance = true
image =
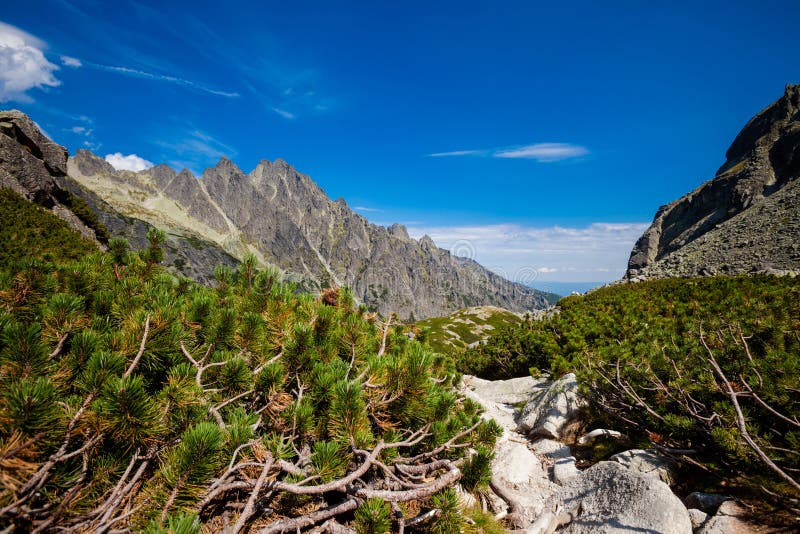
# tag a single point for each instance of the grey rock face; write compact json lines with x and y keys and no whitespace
{"x":697,"y":517}
{"x":647,"y":462}
{"x":31,"y":164}
{"x":295,"y":226}
{"x":28,"y":159}
{"x":607,"y":498}
{"x":189,"y":190}
{"x":546,"y":413}
{"x":745,"y":219}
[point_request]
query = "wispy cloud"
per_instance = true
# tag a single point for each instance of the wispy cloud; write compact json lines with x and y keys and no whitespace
{"x":541,"y":152}
{"x":544,"y":152}
{"x":596,"y":252}
{"x":137,"y":73}
{"x":131,"y":162}
{"x":194,"y":149}
{"x":23,"y":65}
{"x":458,"y":153}
{"x":368,"y":210}
{"x":81,"y":130}
{"x":72,"y":62}
{"x":285,"y":114}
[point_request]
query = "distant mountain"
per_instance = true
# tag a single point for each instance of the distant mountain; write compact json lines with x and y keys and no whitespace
{"x":284,"y":219}
{"x":563,"y":289}
{"x":746,"y":219}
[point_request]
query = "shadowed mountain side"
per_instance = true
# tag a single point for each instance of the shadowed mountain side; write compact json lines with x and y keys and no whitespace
{"x":745,"y":219}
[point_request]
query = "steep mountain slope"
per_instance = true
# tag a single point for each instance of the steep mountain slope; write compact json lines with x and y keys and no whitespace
{"x":31,"y":165}
{"x":745,"y":219}
{"x":285,"y":219}
{"x":35,"y":168}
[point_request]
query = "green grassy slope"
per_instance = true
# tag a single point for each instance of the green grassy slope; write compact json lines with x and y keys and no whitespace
{"x":466,"y":326}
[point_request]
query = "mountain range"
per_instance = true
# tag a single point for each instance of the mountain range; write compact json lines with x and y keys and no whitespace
{"x":274,"y":212}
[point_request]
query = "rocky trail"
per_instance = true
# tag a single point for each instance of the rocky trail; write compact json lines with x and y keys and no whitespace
{"x":537,"y":486}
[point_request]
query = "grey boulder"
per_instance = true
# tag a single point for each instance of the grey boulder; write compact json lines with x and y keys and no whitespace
{"x":547,"y":412}
{"x":610,"y":499}
{"x":648,"y":462}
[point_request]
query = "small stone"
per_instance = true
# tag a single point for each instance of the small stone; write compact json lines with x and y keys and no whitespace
{"x":697,"y":517}
{"x":707,"y":502}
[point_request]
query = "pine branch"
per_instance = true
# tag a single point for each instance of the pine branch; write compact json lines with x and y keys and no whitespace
{"x":135,"y":361}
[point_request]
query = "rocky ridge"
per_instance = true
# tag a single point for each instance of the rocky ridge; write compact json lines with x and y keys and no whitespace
{"x":286,"y":220}
{"x":746,"y":219}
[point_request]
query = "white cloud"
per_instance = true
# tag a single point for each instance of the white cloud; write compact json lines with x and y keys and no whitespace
{"x":285,"y":114}
{"x":23,"y":65}
{"x":597,"y":252}
{"x":73,"y":62}
{"x":543,"y":152}
{"x":82,"y":130}
{"x":131,"y":162}
{"x":364,"y":208}
{"x":457,"y":153}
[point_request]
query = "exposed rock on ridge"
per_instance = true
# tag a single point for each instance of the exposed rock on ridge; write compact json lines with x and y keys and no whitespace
{"x":745,"y":219}
{"x":284,"y":218}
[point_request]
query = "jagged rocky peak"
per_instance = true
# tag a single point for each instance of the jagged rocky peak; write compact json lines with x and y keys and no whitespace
{"x":398,"y":230}
{"x":704,"y":232}
{"x":285,"y":218}
{"x":161,"y":174}
{"x":765,"y":127}
{"x":427,"y":243}
{"x":89,"y":164}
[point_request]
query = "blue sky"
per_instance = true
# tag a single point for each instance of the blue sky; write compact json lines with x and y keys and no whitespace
{"x":538,"y":138}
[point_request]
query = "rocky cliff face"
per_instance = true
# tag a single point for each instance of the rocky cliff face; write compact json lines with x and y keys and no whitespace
{"x":747,"y":218}
{"x":286,"y":220}
{"x":32,"y":165}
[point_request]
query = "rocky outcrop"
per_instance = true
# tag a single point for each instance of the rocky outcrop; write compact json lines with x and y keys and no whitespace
{"x":546,"y":492}
{"x":729,"y":519}
{"x":607,"y":498}
{"x":31,"y":164}
{"x":286,"y":220}
{"x":747,"y":218}
{"x":36,"y":168}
